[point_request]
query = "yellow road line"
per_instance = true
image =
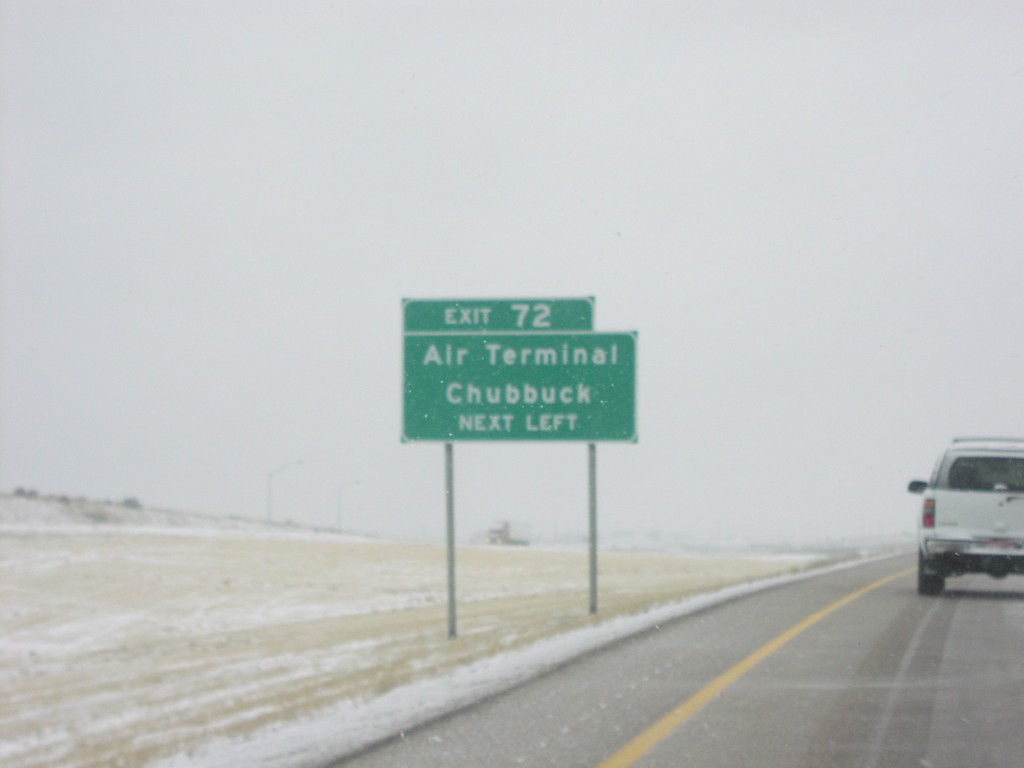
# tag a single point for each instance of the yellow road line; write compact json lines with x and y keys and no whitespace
{"x":647,"y":740}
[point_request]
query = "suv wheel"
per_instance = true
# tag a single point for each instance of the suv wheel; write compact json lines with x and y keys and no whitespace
{"x":928,"y":583}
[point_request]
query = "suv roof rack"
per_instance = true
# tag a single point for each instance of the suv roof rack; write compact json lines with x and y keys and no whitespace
{"x":988,"y":439}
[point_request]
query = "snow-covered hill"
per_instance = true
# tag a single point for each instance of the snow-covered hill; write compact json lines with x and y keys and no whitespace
{"x":29,"y":510}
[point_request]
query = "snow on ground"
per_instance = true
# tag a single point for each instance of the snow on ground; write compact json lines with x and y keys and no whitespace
{"x":139,"y":637}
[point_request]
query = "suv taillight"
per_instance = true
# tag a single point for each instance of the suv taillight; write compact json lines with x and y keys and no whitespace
{"x":928,"y":514}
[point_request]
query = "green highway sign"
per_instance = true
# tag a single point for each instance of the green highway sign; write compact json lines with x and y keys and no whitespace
{"x":476,"y":315}
{"x":519,"y":386}
{"x":514,"y":369}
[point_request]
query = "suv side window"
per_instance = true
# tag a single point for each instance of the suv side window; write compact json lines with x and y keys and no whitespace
{"x":986,"y":473}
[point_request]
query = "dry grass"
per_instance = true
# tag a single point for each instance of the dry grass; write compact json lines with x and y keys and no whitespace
{"x":121,"y":648}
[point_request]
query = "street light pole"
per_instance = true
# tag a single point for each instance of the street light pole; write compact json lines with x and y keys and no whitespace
{"x":270,"y":485}
{"x":341,"y":491}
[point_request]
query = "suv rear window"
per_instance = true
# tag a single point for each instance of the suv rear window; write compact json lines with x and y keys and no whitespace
{"x":987,"y":473}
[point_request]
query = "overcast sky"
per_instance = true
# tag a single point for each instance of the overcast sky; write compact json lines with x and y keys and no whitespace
{"x":812,"y":213}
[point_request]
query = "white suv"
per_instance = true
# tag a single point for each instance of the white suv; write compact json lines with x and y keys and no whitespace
{"x":972,"y":520}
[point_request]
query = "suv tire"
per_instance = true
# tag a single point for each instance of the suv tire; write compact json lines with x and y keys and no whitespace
{"x":928,"y":583}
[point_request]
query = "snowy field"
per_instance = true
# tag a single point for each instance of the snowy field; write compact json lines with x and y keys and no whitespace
{"x":133,"y":637}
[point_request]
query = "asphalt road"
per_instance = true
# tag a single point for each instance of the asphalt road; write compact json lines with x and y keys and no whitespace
{"x":851,"y":668}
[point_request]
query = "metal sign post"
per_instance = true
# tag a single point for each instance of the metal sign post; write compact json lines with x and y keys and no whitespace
{"x":592,"y":476}
{"x":449,"y":479}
